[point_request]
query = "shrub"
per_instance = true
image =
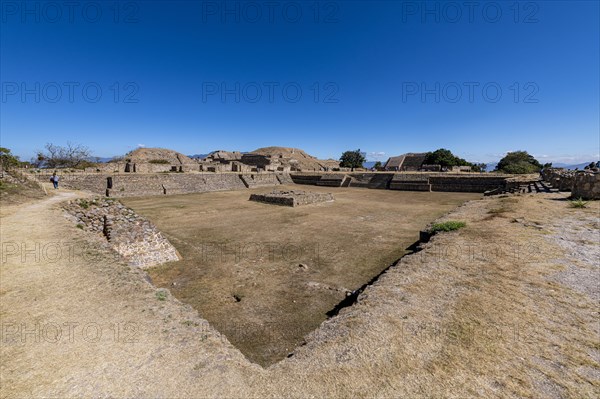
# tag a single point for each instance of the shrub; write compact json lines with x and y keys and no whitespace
{"x":450,"y":225}
{"x":578,"y":203}
{"x":159,"y":161}
{"x":161,"y":295}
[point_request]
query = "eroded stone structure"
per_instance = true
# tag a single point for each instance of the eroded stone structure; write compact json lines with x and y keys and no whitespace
{"x":292,"y":198}
{"x":562,"y":179}
{"x":586,"y":185}
{"x":583,"y":184}
{"x":268,"y":159}
{"x":133,"y":237}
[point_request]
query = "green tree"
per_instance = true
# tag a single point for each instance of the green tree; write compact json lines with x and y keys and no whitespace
{"x":378,"y":165}
{"x":518,"y":162}
{"x":7,"y":159}
{"x":479,"y":167}
{"x":445,"y":158}
{"x":547,"y":165}
{"x":352,"y":159}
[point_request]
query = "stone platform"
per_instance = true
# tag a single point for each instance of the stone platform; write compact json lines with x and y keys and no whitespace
{"x":292,"y":198}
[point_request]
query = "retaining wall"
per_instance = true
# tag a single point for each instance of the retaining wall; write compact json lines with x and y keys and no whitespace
{"x":254,"y":180}
{"x":133,"y":237}
{"x":560,"y":178}
{"x":416,"y":181}
{"x":472,"y":184}
{"x":410,"y":182}
{"x":141,"y":185}
{"x":586,"y":185}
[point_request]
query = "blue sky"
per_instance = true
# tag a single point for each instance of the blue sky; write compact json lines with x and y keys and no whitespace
{"x":387,"y":77}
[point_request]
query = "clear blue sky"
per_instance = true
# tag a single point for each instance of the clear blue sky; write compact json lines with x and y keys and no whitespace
{"x":369,"y":74}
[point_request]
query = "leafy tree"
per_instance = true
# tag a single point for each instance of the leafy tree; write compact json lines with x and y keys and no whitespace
{"x":7,"y":159}
{"x":70,"y":156}
{"x":445,"y":158}
{"x":518,"y":162}
{"x":479,"y":167}
{"x":547,"y":165}
{"x":352,"y":159}
{"x":377,"y":165}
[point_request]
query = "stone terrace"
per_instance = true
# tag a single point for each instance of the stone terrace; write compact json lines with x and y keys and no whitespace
{"x":292,"y":198}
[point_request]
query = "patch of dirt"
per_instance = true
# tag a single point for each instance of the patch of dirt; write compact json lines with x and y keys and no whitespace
{"x":241,"y":259}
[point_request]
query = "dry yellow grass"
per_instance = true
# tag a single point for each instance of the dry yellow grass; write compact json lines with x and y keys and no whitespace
{"x":240,"y":266}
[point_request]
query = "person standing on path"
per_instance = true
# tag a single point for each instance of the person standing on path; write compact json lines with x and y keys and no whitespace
{"x":54,"y":180}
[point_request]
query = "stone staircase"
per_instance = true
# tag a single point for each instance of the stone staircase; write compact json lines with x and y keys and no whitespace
{"x":537,"y":186}
{"x":260,"y":180}
{"x":332,"y":180}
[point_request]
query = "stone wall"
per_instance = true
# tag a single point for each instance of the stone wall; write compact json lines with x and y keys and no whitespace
{"x":253,"y":180}
{"x":463,"y":183}
{"x":410,"y":182}
{"x":285,"y":178}
{"x":477,"y":183}
{"x":305,"y":179}
{"x":141,"y":185}
{"x":586,"y":185}
{"x":560,"y":178}
{"x":361,"y":179}
{"x":332,"y":180}
{"x":134,"y":238}
{"x":292,"y":198}
{"x":141,"y":167}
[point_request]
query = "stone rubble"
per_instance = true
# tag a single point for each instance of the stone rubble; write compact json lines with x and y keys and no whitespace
{"x":133,"y":237}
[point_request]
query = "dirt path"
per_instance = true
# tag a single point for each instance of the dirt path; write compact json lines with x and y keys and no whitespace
{"x":75,"y":323}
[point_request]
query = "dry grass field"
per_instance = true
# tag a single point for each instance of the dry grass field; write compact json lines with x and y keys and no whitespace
{"x":506,"y":307}
{"x":266,"y":275}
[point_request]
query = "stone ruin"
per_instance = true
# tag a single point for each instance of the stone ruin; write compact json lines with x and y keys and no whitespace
{"x":582,"y":184}
{"x":133,"y":237}
{"x":562,"y":179}
{"x":292,"y":198}
{"x":586,"y":186}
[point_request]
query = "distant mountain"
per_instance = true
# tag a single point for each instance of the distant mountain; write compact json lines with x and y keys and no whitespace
{"x":368,"y":165}
{"x":490,"y":166}
{"x":198,"y":156}
{"x":100,"y":159}
{"x":579,"y":166}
